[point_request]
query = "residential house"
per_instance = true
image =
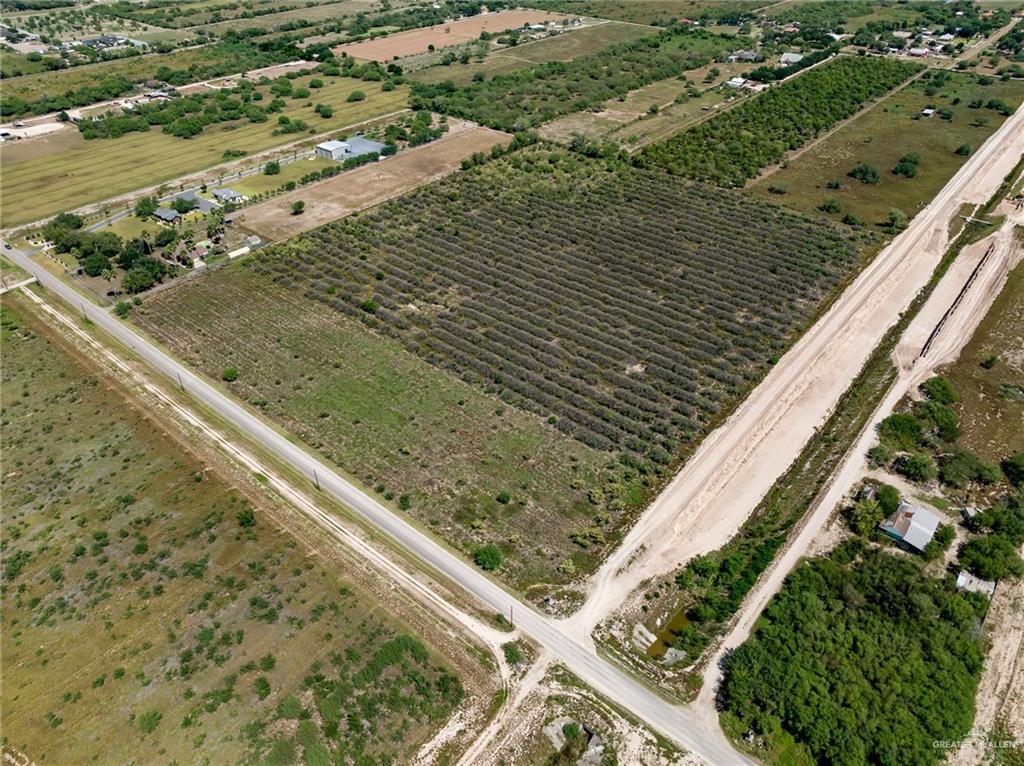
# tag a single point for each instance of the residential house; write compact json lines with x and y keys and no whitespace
{"x":229,"y":195}
{"x":921,"y":53}
{"x":790,"y":58}
{"x":748,"y":56}
{"x":167,"y":214}
{"x":911,"y":526}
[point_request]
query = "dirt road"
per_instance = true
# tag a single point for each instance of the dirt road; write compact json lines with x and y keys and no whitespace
{"x":1004,"y":253}
{"x":737,"y":464}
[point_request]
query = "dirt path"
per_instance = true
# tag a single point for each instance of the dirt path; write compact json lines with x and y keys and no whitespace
{"x":737,"y":464}
{"x":912,"y":371}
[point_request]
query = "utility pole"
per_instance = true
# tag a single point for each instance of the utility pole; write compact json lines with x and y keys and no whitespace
{"x":511,"y":621}
{"x":316,"y":480}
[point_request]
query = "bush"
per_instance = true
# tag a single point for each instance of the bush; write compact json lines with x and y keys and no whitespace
{"x":246,"y":518}
{"x":1013,"y":468}
{"x":230,"y":374}
{"x":149,"y":720}
{"x":512,"y":654}
{"x":356,"y":95}
{"x":122,"y":308}
{"x":298,"y":207}
{"x":829,"y":205}
{"x":939,"y":389}
{"x":488,"y":557}
{"x":888,"y":498}
{"x":897,"y":219}
{"x":907,"y":166}
{"x":864,"y":516}
{"x":881,"y":456}
{"x":963,"y":466}
{"x":901,"y":430}
{"x":866,"y":173}
{"x":261,"y":686}
{"x":992,"y":557}
{"x":272,"y":168}
{"x":964,"y":150}
{"x":917,"y":467}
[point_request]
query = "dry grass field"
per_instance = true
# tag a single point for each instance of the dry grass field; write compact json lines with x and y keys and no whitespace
{"x":368,"y":185}
{"x":989,"y":375}
{"x":442,"y":35}
{"x":572,"y":43}
{"x":155,"y":614}
{"x":64,"y":171}
{"x":889,"y":130}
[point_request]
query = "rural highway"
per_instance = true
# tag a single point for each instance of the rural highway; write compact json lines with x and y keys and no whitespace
{"x":676,"y":723}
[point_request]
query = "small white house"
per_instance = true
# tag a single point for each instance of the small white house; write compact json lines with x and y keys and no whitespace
{"x":911,"y":525}
{"x":927,"y":112}
{"x":921,"y":53}
{"x":790,"y":58}
{"x":736,"y":82}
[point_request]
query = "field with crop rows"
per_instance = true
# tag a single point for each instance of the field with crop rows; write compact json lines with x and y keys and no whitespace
{"x":629,"y":332}
{"x":79,"y":172}
{"x":735,"y":146}
{"x":630,"y":329}
{"x":150,"y":608}
{"x":468,"y":466}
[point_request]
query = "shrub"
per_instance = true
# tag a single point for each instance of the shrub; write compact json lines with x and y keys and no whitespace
{"x":917,"y":467}
{"x":512,"y":654}
{"x":964,"y":150}
{"x":779,"y":187}
{"x":963,"y":466}
{"x":272,"y":168}
{"x":149,"y":720}
{"x":230,"y":374}
{"x":261,"y":686}
{"x":504,"y":498}
{"x":901,"y":430}
{"x":992,"y":557}
{"x":897,"y":219}
{"x":864,"y":516}
{"x":356,"y":95}
{"x":829,"y":205}
{"x":1013,"y":468}
{"x":881,"y":456}
{"x":298,"y":207}
{"x":246,"y":518}
{"x":122,"y":308}
{"x":866,"y":173}
{"x":488,"y":557}
{"x":939,"y":389}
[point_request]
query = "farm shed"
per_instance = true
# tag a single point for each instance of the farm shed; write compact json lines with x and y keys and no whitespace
{"x":343,"y":150}
{"x":911,"y":525}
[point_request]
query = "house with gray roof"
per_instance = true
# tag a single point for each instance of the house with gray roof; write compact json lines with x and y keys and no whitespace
{"x":167,"y":214}
{"x":911,"y":526}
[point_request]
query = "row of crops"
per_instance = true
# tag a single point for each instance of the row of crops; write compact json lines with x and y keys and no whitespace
{"x":625,"y":306}
{"x":736,"y":145}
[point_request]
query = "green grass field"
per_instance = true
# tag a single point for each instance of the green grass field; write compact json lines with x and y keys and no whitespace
{"x":564,"y":47}
{"x":889,"y":130}
{"x":323,"y":12}
{"x":148,"y":618}
{"x":651,"y":11}
{"x":259,"y":183}
{"x":396,"y":424}
{"x":78,"y":172}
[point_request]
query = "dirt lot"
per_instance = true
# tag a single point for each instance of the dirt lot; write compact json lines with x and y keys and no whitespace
{"x":369,"y":185}
{"x":443,"y":35}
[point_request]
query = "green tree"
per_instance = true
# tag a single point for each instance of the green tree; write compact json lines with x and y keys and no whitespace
{"x":488,"y":557}
{"x":866,"y":173}
{"x":145,"y":207}
{"x":230,"y":374}
{"x":272,"y":168}
{"x":298,"y":207}
{"x":992,"y":557}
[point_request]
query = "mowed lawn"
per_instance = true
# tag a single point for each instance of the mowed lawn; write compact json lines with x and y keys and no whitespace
{"x":889,"y":130}
{"x":79,"y":172}
{"x":564,"y":47}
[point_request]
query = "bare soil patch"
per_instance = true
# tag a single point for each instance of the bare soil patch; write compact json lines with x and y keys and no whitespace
{"x":444,"y":35}
{"x":369,"y":185}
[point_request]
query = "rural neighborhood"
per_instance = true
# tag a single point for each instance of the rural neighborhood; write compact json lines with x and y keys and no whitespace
{"x":590,"y":382}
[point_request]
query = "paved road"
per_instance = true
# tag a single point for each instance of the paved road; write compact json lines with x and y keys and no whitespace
{"x":676,"y":723}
